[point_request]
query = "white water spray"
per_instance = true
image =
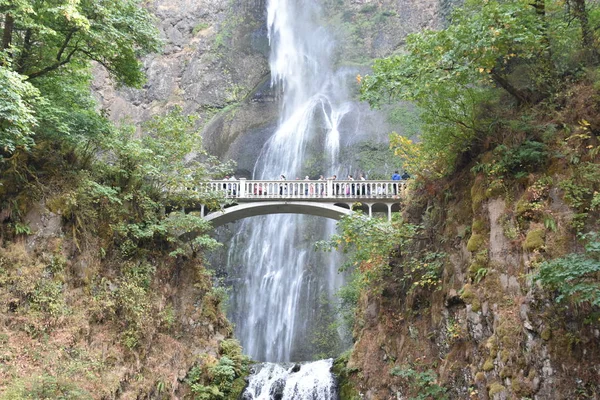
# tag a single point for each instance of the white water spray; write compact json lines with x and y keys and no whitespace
{"x":275,"y":303}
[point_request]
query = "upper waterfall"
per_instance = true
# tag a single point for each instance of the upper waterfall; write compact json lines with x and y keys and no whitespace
{"x":278,"y":297}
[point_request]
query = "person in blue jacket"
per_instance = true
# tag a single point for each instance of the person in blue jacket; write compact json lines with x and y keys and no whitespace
{"x":396,"y":177}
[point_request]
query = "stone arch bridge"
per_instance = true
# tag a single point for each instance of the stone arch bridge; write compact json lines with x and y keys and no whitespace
{"x":327,"y":198}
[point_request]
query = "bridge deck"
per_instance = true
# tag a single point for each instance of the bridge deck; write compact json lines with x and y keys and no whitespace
{"x":325,"y":198}
{"x":321,"y":191}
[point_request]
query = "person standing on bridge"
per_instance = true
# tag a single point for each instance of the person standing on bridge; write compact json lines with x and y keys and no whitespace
{"x":306,"y":178}
{"x":321,"y":186}
{"x":336,"y":187}
{"x":361,"y":177}
{"x":281,"y":178}
{"x":233,"y":185}
{"x":396,"y":177}
{"x":225,"y":184}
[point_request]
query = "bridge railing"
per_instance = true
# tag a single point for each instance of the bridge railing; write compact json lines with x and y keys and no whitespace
{"x":303,"y":189}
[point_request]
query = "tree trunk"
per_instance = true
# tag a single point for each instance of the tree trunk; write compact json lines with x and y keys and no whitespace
{"x":587,"y":38}
{"x":9,"y":23}
{"x":546,"y":55}
{"x":518,"y":94}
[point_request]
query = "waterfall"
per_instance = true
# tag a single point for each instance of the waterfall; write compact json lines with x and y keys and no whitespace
{"x":289,"y":381}
{"x":280,"y":281}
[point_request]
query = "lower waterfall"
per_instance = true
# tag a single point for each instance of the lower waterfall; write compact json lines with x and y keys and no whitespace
{"x":289,"y":381}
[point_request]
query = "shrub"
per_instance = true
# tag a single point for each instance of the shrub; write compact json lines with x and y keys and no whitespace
{"x":575,"y":276}
{"x":422,"y":384}
{"x":45,"y":387}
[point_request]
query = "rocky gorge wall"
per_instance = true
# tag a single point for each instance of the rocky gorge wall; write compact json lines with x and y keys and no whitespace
{"x":78,"y":321}
{"x":487,"y":329}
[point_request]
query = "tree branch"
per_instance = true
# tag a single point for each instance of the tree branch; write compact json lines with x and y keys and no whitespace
{"x":53,"y":66}
{"x":65,"y":44}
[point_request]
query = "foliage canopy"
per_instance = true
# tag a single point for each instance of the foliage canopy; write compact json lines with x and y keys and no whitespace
{"x":493,"y":54}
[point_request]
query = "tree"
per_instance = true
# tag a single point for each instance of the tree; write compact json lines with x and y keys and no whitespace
{"x":46,"y":54}
{"x":451,"y":74}
{"x":42,"y":36}
{"x":580,"y":12}
{"x":17,"y":115}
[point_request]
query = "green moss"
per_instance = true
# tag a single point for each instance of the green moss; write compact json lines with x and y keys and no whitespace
{"x":546,"y":334}
{"x":480,"y":262}
{"x":496,"y":388}
{"x":476,"y":305}
{"x":506,"y":373}
{"x":488,"y":365}
{"x":200,"y":27}
{"x":496,"y":189}
{"x":478,"y":225}
{"x":475,"y":242}
{"x":478,"y":194}
{"x":468,"y":295}
{"x":345,"y":385}
{"x":534,"y":239}
{"x":509,"y":333}
{"x":492,"y":345}
{"x":522,"y":206}
{"x":494,"y":291}
{"x":505,"y":355}
{"x":480,"y":377}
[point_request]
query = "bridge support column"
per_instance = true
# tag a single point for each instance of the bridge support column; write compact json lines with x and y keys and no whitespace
{"x":242,"y":188}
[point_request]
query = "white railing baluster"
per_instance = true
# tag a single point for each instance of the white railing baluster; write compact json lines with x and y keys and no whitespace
{"x":326,"y":189}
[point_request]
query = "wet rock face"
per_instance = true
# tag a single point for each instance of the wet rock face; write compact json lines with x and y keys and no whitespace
{"x":214,"y":54}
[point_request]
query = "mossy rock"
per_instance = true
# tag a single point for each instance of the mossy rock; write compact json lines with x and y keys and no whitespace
{"x":237,"y":387}
{"x":546,"y":334}
{"x":478,"y":226}
{"x":480,"y":377}
{"x":522,"y":206}
{"x":345,"y":385}
{"x":521,"y":388}
{"x":534,"y":240}
{"x":496,"y":388}
{"x":492,"y":345}
{"x":478,"y":193}
{"x":475,"y":242}
{"x":476,"y":305}
{"x":495,"y":190}
{"x":505,"y":355}
{"x":467,"y":293}
{"x":480,"y":261}
{"x":506,"y":372}
{"x":488,"y":365}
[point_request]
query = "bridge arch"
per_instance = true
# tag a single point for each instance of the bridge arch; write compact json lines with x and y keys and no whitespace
{"x":241,"y":211}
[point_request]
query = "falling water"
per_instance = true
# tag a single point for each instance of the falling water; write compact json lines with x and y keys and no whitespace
{"x":274,"y":304}
{"x":289,"y":381}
